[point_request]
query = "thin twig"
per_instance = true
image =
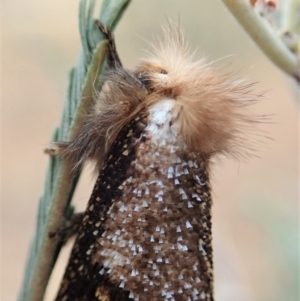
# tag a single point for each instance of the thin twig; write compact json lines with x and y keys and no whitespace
{"x":264,"y":36}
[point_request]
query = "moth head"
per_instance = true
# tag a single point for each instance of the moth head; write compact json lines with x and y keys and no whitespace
{"x":210,"y":107}
{"x":162,"y":72}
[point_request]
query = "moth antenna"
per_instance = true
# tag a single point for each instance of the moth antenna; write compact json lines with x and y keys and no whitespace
{"x":113,"y":59}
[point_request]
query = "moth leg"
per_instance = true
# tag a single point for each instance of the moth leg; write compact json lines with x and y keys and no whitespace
{"x":68,"y":228}
{"x":113,"y":59}
{"x":56,"y":148}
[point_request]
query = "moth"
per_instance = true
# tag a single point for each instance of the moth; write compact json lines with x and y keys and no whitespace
{"x":146,"y":233}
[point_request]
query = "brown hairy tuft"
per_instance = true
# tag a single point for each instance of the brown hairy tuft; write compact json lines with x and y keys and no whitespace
{"x":115,"y":105}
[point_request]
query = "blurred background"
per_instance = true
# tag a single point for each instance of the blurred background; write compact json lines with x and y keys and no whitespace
{"x":255,"y":213}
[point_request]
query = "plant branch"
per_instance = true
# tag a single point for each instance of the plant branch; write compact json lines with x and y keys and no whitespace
{"x":264,"y":36}
{"x":290,"y":18}
{"x":61,"y":176}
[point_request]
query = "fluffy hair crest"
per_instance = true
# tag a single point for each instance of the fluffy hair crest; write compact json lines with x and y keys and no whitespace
{"x":213,"y":116}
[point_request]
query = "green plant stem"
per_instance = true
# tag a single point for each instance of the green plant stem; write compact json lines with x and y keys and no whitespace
{"x":61,"y":195}
{"x":62,"y":177}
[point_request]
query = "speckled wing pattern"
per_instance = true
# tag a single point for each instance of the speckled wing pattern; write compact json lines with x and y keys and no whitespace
{"x":82,"y":280}
{"x":146,"y":232}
